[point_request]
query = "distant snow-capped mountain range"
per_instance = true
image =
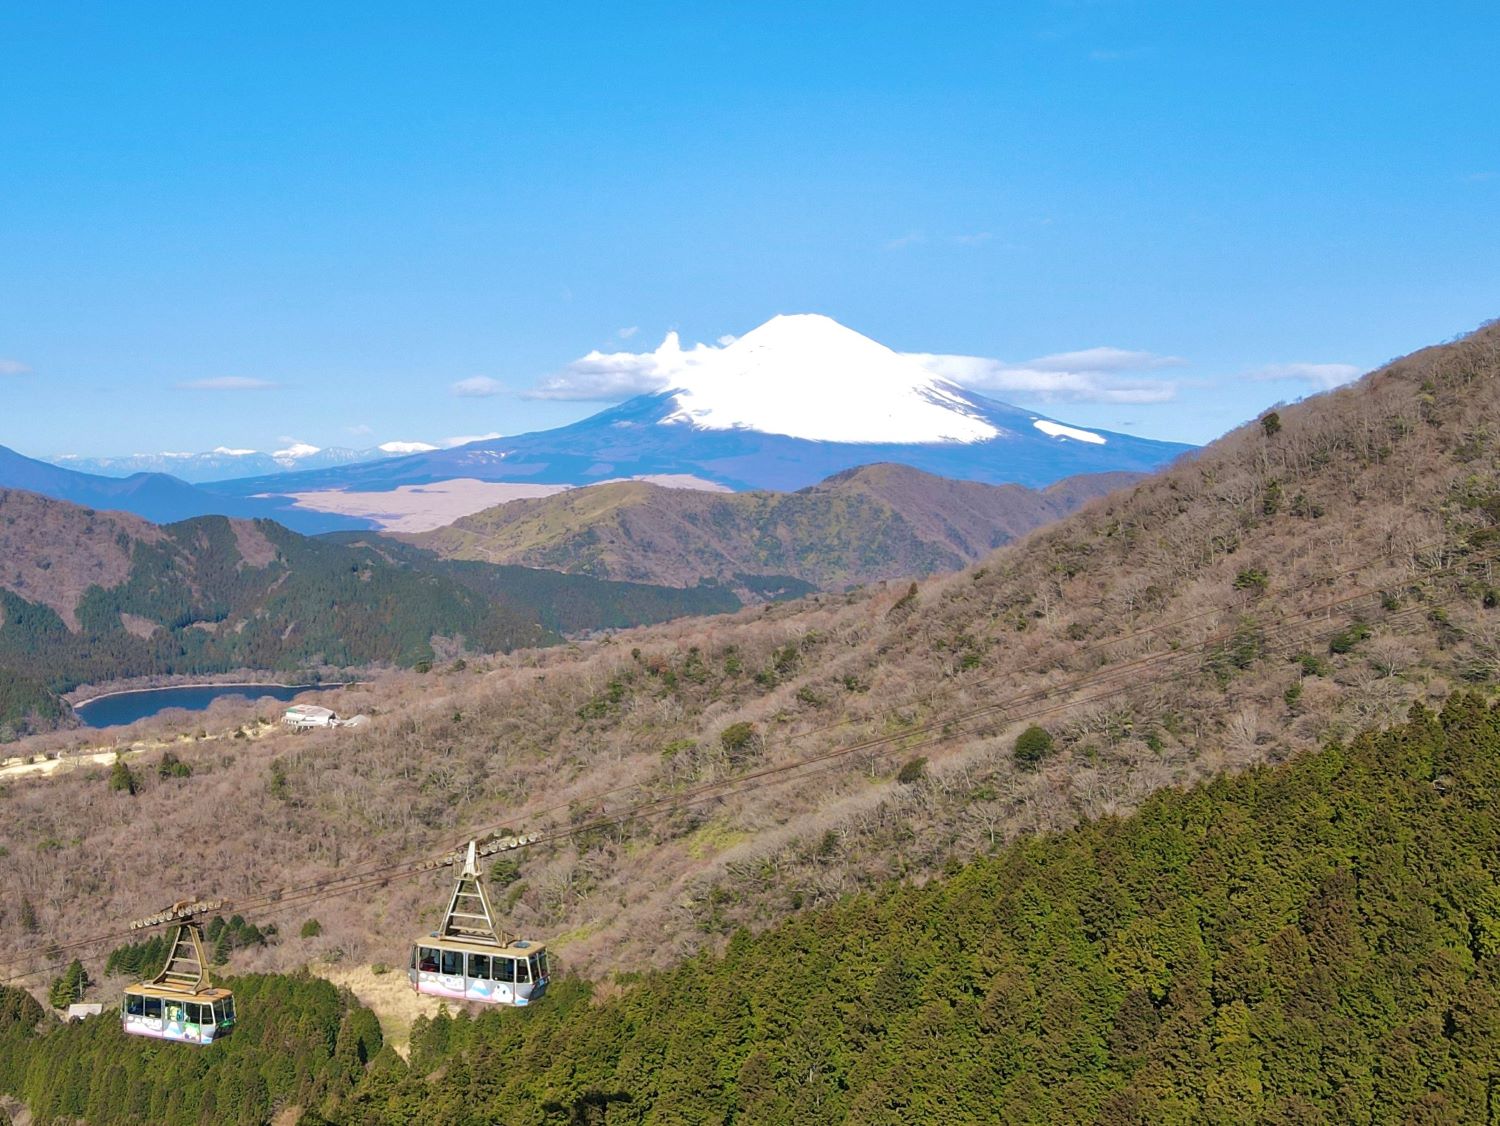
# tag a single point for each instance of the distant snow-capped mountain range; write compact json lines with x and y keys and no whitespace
{"x":224,"y":462}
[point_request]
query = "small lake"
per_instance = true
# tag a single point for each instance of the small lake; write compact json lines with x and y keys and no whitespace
{"x":120,"y":708}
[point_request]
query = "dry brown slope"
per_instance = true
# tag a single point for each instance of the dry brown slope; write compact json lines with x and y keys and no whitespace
{"x":1190,"y":591}
{"x":52,"y":551}
{"x":876,"y":522}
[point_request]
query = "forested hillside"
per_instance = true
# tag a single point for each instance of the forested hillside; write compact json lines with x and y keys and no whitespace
{"x":300,"y":1043}
{"x":89,"y":597}
{"x":1318,"y":942}
{"x":27,"y":705}
{"x":564,"y":604}
{"x":1311,"y":574}
{"x":1314,"y":942}
{"x":867,"y":524}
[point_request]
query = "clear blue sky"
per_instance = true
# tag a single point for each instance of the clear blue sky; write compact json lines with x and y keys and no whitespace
{"x":364,"y":204}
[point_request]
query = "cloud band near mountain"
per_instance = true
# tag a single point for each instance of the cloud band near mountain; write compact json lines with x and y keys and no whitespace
{"x":1101,"y":375}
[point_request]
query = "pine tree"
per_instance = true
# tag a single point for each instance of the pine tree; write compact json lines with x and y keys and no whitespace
{"x":68,"y":989}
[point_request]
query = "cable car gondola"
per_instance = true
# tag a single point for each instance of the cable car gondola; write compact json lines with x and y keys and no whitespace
{"x":179,"y":1003}
{"x":468,"y":959}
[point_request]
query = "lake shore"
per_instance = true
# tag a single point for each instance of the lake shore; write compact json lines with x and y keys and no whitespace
{"x":75,"y":704}
{"x":122,"y":708}
{"x":239,"y":678}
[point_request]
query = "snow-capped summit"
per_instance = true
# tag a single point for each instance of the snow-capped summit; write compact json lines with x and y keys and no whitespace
{"x":784,"y":406}
{"x":297,"y":451}
{"x":807,"y":376}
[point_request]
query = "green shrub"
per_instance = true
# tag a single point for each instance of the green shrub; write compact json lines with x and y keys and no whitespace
{"x":310,"y":929}
{"x":739,"y":740}
{"x":1033,"y":745}
{"x":913,"y":770}
{"x":1252,"y":579}
{"x":171,"y":766}
{"x":1345,"y":640}
{"x":1270,"y":503}
{"x":1313,"y":665}
{"x":505,"y":871}
{"x":122,"y":778}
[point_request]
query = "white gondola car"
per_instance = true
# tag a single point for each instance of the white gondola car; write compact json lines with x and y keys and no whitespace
{"x":180,"y":1003}
{"x":469,"y":960}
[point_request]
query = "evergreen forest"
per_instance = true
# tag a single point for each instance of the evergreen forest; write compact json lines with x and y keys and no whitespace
{"x":26,"y":704}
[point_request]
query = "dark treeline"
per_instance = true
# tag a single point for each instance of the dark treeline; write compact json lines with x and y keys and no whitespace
{"x":570,"y":603}
{"x":1314,"y":942}
{"x":26,"y":704}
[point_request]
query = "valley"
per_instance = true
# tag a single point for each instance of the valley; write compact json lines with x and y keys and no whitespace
{"x":99,"y":597}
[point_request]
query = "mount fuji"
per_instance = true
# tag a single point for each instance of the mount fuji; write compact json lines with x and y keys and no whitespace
{"x":784,"y":406}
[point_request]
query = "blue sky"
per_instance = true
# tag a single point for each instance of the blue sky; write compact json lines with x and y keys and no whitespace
{"x":246,"y":225}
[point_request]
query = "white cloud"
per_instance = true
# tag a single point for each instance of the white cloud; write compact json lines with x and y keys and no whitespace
{"x":1104,"y":360}
{"x":1099,"y":375}
{"x":609,"y":377}
{"x":627,"y":333}
{"x":13,"y":367}
{"x":1093,"y":375}
{"x":360,"y":430}
{"x":478,"y":387}
{"x":1321,"y":376}
{"x":406,"y":447}
{"x":911,"y":238}
{"x":227,"y":451}
{"x":465,"y":439}
{"x":226,"y":383}
{"x":920,"y":238}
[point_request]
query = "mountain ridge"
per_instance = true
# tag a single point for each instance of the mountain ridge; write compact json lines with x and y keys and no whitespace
{"x":865,"y":524}
{"x":157,"y":497}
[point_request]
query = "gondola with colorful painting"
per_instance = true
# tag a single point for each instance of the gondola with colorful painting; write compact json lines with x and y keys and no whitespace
{"x":179,"y":1003}
{"x":469,"y":958}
